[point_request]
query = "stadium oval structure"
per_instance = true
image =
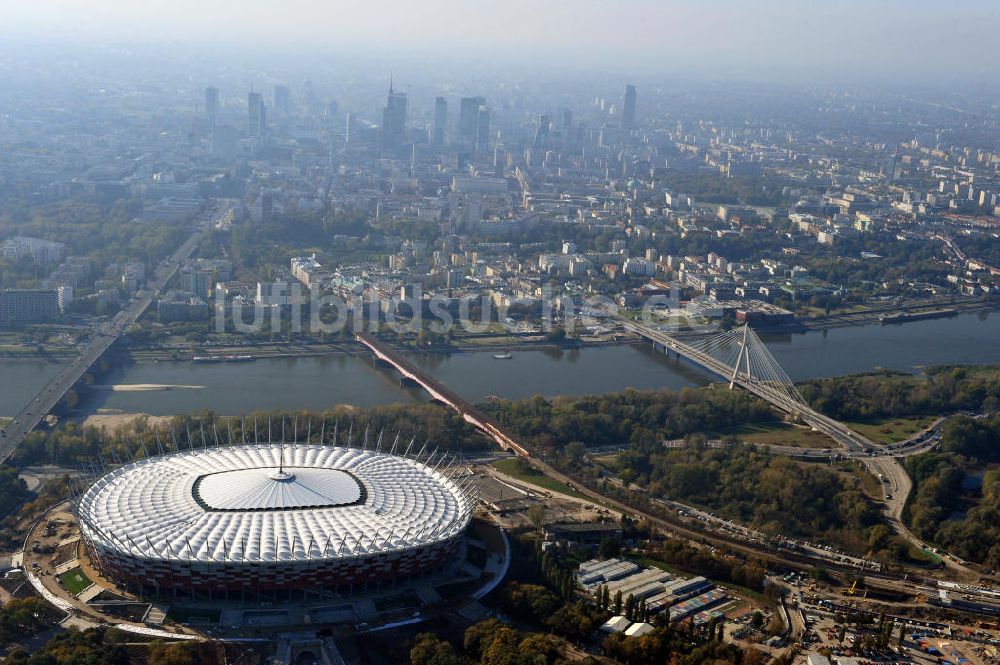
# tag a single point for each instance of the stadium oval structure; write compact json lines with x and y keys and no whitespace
{"x":266,"y":517}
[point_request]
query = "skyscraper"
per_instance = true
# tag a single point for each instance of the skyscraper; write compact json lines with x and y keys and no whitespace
{"x":212,"y":105}
{"x":394,"y":119}
{"x":628,"y":108}
{"x":351,"y":129}
{"x":254,"y":106}
{"x":565,"y":118}
{"x":440,"y":121}
{"x":483,"y":129}
{"x":542,"y":131}
{"x":468,"y":120}
{"x":282,"y":98}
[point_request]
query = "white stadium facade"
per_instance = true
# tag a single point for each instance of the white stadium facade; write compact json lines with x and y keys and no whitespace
{"x":232,"y":521}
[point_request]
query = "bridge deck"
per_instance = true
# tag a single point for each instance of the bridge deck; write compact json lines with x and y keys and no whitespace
{"x":832,"y":428}
{"x":442,"y":393}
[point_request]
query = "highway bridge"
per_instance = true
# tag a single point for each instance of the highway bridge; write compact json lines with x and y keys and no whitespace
{"x":754,"y":369}
{"x":104,"y":336}
{"x":741,"y":358}
{"x":441,"y":393}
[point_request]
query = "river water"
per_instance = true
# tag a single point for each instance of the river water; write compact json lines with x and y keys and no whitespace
{"x":314,"y":383}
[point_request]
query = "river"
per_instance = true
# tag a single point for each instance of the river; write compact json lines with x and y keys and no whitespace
{"x":315,"y":383}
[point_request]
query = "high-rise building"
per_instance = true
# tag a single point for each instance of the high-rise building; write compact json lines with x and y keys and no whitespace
{"x":19,"y":306}
{"x":212,"y":105}
{"x":254,"y":106}
{"x":394,"y":119}
{"x":483,"y":129}
{"x":351,"y":129}
{"x":282,"y":98}
{"x":628,"y":108}
{"x":440,"y":121}
{"x":565,"y":118}
{"x":542,"y":131}
{"x":468,"y":120}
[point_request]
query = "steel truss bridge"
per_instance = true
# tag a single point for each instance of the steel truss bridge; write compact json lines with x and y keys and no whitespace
{"x":740,"y":357}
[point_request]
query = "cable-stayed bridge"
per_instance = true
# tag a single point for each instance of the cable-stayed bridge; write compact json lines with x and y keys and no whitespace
{"x":742,"y":359}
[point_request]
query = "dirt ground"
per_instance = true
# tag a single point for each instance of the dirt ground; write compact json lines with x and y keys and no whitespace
{"x":112,"y":421}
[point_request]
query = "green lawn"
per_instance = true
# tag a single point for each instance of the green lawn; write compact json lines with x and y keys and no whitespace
{"x":509,"y":466}
{"x":891,"y":430}
{"x":869,"y":483}
{"x":776,"y":433}
{"x":74,"y":580}
{"x":609,"y":460}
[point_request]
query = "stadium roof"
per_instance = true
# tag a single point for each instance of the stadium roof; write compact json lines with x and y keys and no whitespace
{"x":272,"y":503}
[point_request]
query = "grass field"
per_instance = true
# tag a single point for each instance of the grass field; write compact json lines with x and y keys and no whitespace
{"x":891,"y":430}
{"x":74,"y":580}
{"x":609,"y":460}
{"x":509,"y":466}
{"x":870,"y":484}
{"x":776,"y":433}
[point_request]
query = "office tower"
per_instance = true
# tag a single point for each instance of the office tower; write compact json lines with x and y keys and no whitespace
{"x":282,"y":98}
{"x":351,"y":129}
{"x":542,"y":131}
{"x":394,"y":119}
{"x":628,"y":108}
{"x":254,"y":105}
{"x":468,"y":120}
{"x":483,"y":129}
{"x":212,"y":105}
{"x":440,"y":121}
{"x":565,"y":119}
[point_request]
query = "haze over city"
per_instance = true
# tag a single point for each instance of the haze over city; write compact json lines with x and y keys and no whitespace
{"x":499,"y":332}
{"x":895,"y":40}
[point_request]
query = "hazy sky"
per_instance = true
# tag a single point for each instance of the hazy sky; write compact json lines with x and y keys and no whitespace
{"x":843,"y":38}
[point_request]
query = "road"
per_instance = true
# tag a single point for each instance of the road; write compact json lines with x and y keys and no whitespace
{"x":879,"y":460}
{"x":836,"y":430}
{"x":104,"y":336}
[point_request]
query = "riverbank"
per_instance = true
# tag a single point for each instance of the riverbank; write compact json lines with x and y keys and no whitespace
{"x":915,"y":309}
{"x":481,"y":343}
{"x":109,"y":422}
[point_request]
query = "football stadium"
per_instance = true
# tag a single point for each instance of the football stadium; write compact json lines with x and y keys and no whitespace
{"x":232,"y":521}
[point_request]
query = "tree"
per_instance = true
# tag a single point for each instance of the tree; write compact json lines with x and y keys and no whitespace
{"x":536,"y":514}
{"x":618,"y":601}
{"x":570,"y":621}
{"x":431,"y":650}
{"x":478,"y":636}
{"x":177,"y":653}
{"x":609,"y":548}
{"x":502,"y":648}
